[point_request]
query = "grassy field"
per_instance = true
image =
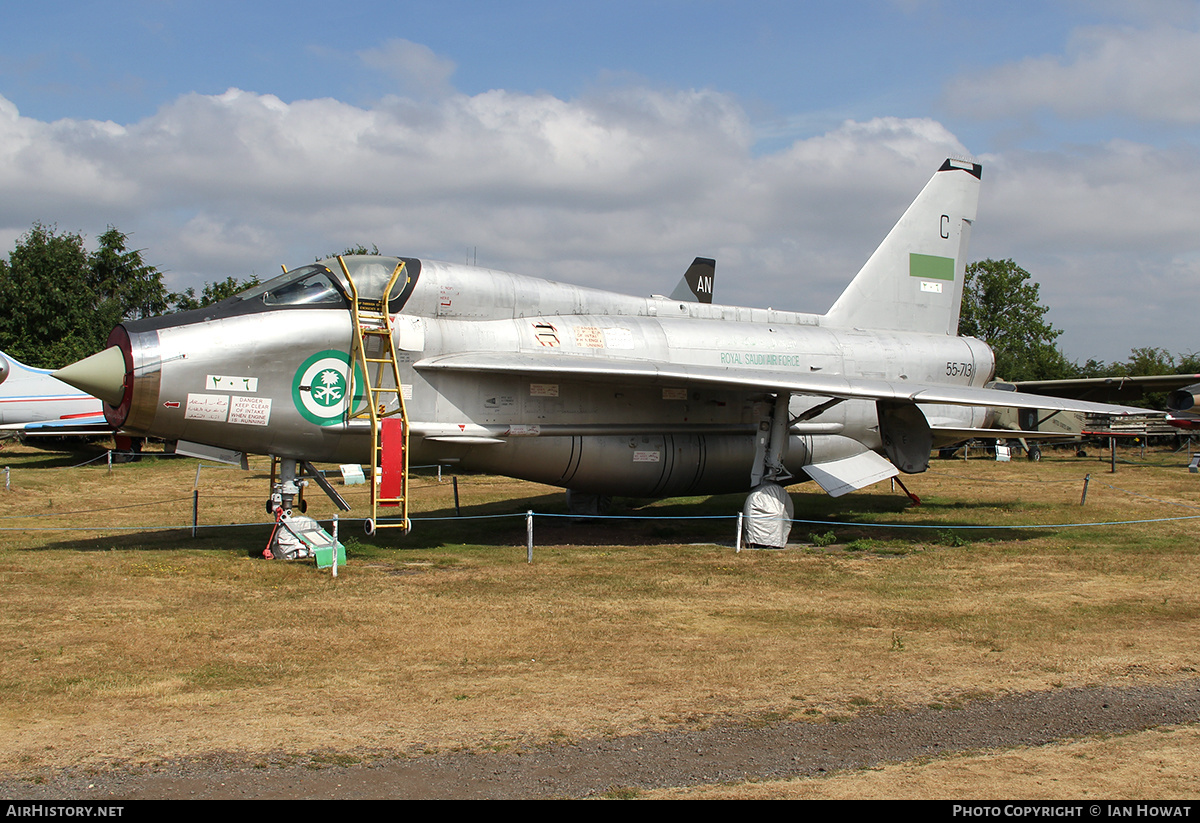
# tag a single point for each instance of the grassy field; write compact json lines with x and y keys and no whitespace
{"x":132,"y":645}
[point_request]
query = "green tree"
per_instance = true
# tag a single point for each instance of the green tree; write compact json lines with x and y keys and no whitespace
{"x":1094,"y":368}
{"x":1002,"y":307}
{"x":1189,"y":363}
{"x":1150,"y":360}
{"x":213,"y":292}
{"x":125,"y":287}
{"x":359,"y":249}
{"x":1143,"y":361}
{"x":43,"y":298}
{"x":1147,"y":361}
{"x":58,"y":302}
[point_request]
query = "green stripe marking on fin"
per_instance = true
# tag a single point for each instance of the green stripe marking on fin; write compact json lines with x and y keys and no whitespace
{"x":930,"y":267}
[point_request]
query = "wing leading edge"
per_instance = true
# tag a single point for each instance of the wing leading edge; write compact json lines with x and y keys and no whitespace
{"x":1106,"y":389}
{"x":816,"y":385}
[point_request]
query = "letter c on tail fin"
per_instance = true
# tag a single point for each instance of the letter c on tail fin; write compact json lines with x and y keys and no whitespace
{"x":914,"y":280}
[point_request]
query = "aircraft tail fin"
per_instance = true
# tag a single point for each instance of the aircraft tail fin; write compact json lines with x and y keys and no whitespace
{"x":697,"y":283}
{"x":914,"y":280}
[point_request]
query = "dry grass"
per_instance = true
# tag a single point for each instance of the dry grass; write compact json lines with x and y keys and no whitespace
{"x":134,"y":646}
{"x":1160,"y":763}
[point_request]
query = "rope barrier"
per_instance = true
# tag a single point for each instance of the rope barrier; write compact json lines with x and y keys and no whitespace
{"x":805,"y":521}
{"x":90,"y":511}
{"x":530,"y":515}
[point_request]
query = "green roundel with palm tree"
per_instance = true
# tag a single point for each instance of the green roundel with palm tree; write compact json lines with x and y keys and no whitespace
{"x":321,"y":385}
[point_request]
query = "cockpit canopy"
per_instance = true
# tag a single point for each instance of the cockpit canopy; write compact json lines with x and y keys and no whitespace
{"x":371,"y":273}
{"x":324,"y":283}
{"x":320,"y":285}
{"x":312,"y":285}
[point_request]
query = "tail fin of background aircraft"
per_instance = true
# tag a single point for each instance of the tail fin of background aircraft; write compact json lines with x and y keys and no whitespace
{"x":697,"y":283}
{"x":914,"y":280}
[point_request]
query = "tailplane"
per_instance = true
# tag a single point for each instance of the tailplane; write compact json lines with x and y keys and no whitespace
{"x":914,"y":280}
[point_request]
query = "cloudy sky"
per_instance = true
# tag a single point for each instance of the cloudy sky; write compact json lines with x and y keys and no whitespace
{"x":609,"y":143}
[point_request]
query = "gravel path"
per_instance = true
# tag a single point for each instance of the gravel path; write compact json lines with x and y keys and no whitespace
{"x":677,"y":757}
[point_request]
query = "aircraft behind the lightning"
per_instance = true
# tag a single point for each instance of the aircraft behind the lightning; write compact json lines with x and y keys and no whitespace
{"x":33,"y":402}
{"x":597,"y":392}
{"x":1072,"y":427}
{"x":1183,"y":409}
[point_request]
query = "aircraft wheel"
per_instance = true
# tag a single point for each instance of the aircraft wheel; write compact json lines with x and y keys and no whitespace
{"x":369,"y":526}
{"x":303,"y":506}
{"x":1035,"y":453}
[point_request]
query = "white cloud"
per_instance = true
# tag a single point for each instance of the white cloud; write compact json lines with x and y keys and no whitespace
{"x":1151,"y":73}
{"x":1113,"y":197}
{"x":1110,"y":233}
{"x":1174,"y":12}
{"x":619,"y":189}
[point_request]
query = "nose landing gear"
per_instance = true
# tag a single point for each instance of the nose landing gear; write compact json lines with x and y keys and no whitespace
{"x":295,"y":535}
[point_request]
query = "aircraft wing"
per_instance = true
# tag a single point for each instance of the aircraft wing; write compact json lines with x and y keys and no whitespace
{"x":71,"y":425}
{"x":1107,"y":389}
{"x":542,"y":367}
{"x":957,"y":434}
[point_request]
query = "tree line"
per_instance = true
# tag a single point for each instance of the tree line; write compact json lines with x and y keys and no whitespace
{"x":59,"y":301}
{"x":1002,"y":307}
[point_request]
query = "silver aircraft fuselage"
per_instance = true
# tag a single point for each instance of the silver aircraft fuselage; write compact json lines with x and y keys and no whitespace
{"x":238,"y":382}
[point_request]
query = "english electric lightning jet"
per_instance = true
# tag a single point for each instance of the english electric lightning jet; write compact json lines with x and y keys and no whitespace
{"x":596,"y":392}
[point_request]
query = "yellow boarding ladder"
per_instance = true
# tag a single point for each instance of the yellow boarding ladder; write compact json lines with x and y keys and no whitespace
{"x":375,"y":351}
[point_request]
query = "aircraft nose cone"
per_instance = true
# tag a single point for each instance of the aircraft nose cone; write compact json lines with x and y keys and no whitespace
{"x":4,"y":368}
{"x":102,"y":375}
